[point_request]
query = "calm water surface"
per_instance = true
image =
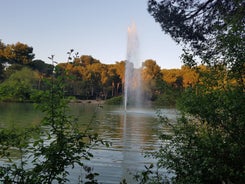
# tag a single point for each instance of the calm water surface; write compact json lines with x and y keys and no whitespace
{"x":130,"y":133}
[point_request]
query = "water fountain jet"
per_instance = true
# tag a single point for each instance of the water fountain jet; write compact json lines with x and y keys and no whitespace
{"x":132,"y":85}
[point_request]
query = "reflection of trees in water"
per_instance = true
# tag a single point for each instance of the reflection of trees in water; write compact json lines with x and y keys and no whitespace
{"x":19,"y":115}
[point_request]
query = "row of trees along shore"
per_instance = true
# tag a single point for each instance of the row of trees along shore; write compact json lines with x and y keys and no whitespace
{"x":21,"y":75}
{"x":206,"y":144}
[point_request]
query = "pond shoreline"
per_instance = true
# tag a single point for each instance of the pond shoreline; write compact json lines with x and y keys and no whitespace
{"x":71,"y":101}
{"x":88,"y":101}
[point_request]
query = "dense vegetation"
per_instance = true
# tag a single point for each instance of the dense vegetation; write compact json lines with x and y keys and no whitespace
{"x":208,"y":141}
{"x":49,"y":151}
{"x":89,"y":78}
{"x":207,"y":144}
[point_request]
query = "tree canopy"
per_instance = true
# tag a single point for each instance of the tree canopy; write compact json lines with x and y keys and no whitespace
{"x":207,"y":145}
{"x":18,"y":53}
{"x":195,"y":22}
{"x":214,"y":30}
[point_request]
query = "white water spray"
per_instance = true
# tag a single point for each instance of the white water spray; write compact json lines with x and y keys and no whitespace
{"x":132,"y":86}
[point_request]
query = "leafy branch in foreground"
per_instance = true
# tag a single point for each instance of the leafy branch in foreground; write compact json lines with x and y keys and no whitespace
{"x":60,"y":148}
{"x":207,"y":145}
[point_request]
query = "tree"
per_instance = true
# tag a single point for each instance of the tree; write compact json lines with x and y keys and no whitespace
{"x":2,"y":60}
{"x":151,"y":75}
{"x":1,"y":72}
{"x":114,"y":80}
{"x":19,"y":86}
{"x":88,"y":60}
{"x":13,"y":57}
{"x":211,"y":29}
{"x":120,"y":70}
{"x":42,"y":67}
{"x":207,"y":145}
{"x":18,"y":53}
{"x":60,"y":147}
{"x":93,"y":78}
{"x":171,"y":75}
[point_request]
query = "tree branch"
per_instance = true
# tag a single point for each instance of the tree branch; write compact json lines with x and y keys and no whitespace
{"x":200,"y":9}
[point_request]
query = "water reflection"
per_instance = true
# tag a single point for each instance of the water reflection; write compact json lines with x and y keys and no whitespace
{"x":18,"y":115}
{"x":131,"y":134}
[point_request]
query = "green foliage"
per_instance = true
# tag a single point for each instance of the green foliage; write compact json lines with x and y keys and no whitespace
{"x":212,"y":30}
{"x":209,"y":147}
{"x":89,"y":79}
{"x":207,"y":143}
{"x":150,"y":176}
{"x":19,"y":86}
{"x":42,"y":67}
{"x":60,"y":146}
{"x":196,"y":22}
{"x":115,"y":100}
{"x":168,"y":96}
{"x":166,"y":100}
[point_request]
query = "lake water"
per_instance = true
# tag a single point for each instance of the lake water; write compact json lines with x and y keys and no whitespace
{"x":131,"y":134}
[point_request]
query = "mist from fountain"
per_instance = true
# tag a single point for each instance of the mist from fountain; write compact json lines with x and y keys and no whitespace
{"x":132,"y":85}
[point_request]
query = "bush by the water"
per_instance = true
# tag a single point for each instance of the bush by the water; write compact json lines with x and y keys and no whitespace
{"x":115,"y":100}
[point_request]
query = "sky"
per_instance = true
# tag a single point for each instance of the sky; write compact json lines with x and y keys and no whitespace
{"x":90,"y":27}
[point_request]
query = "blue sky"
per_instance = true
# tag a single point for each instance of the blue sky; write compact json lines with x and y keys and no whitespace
{"x":90,"y":27}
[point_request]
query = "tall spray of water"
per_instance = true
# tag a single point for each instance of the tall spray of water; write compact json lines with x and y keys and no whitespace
{"x":132,"y":85}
